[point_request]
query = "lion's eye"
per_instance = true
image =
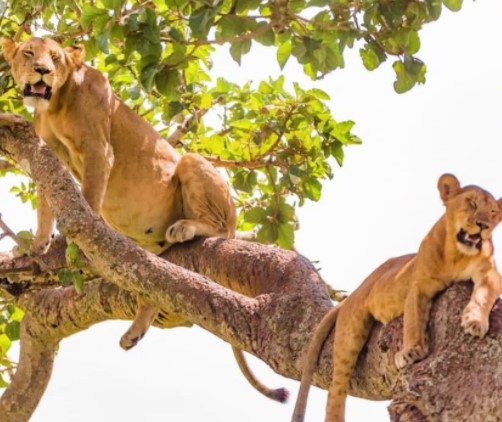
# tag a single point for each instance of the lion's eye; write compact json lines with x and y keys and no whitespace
{"x":55,"y":57}
{"x":495,"y":212}
{"x":472,"y":204}
{"x":28,"y":53}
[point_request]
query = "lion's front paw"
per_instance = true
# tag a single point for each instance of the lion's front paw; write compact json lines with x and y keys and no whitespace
{"x":474,"y":322}
{"x":181,"y":231}
{"x":411,"y":355}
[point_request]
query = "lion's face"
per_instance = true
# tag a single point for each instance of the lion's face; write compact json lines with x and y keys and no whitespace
{"x":40,"y":67}
{"x":472,"y":213}
{"x":475,"y":213}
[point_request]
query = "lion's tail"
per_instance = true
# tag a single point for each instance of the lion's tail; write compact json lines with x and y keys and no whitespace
{"x":279,"y":394}
{"x":319,"y":337}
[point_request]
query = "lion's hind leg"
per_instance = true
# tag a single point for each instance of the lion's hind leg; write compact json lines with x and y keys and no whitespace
{"x":207,"y":204}
{"x":351,"y":333}
{"x":145,"y":315}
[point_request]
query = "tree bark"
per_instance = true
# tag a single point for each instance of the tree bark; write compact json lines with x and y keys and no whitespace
{"x":258,"y":298}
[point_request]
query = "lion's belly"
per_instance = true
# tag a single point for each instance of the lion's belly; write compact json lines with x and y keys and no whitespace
{"x":143,"y":211}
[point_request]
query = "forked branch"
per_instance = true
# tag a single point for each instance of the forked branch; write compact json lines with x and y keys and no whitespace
{"x":268,"y":303}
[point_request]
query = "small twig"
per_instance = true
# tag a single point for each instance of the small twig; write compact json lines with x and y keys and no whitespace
{"x":22,"y":244}
{"x":250,"y":165}
{"x":238,"y":38}
{"x":175,"y":138}
{"x":8,"y":232}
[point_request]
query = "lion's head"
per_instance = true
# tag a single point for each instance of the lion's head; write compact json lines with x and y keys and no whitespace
{"x":471,"y":211}
{"x":40,"y":67}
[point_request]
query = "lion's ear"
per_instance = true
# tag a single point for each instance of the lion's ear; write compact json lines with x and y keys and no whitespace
{"x":9,"y":48}
{"x":76,"y":53}
{"x":448,"y":186}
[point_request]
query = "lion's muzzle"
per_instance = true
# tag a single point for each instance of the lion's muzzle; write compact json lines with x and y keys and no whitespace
{"x":470,"y":240}
{"x":38,"y":90}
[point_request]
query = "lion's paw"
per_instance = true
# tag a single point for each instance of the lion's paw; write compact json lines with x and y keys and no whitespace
{"x":408,"y":356}
{"x":130,"y":339}
{"x":473,"y":322}
{"x":181,"y":231}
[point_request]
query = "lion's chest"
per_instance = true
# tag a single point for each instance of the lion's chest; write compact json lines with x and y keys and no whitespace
{"x":62,"y":143}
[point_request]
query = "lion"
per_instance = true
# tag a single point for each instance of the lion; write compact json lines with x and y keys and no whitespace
{"x":129,"y":175}
{"x":459,"y":247}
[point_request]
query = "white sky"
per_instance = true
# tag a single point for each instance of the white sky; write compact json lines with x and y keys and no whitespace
{"x":379,"y":205}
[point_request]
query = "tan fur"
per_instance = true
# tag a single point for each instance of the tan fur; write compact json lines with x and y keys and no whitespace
{"x":457,"y":248}
{"x":128,"y":174}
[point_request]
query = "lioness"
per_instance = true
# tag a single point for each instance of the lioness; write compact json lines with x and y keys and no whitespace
{"x":128,"y":174}
{"x":457,"y":248}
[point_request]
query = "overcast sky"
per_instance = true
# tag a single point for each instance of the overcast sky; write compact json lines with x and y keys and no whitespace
{"x":380,"y":204}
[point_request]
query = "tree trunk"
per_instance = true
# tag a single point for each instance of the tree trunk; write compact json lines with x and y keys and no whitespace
{"x":267,"y":302}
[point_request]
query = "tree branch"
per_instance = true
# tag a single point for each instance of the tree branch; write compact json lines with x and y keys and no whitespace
{"x":268,"y":302}
{"x":33,"y":373}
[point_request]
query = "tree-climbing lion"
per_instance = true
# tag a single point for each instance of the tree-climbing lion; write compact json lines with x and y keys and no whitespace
{"x":457,"y":248}
{"x":129,"y":175}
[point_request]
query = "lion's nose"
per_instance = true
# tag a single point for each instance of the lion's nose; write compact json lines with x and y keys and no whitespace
{"x":42,"y":70}
{"x":482,"y":226}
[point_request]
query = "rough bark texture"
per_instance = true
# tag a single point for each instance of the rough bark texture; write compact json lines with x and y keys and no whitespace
{"x":267,"y":302}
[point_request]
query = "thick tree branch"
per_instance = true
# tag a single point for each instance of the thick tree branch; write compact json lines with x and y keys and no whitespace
{"x":34,"y":371}
{"x":276,"y":300}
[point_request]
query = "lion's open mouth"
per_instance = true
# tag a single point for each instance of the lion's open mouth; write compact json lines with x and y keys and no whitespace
{"x":470,"y":240}
{"x":39,"y":90}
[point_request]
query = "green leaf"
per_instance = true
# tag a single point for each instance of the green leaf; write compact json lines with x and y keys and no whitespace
{"x":245,"y":5}
{"x":201,"y":21}
{"x":286,"y":213}
{"x":283,"y":53}
{"x":372,"y":56}
{"x":312,"y":188}
{"x":256,"y":215}
{"x":3,"y":383}
{"x":319,"y":93}
{"x":242,"y":124}
{"x":72,"y":253}
{"x":408,"y":72}
{"x":103,"y":42}
{"x":15,"y":313}
{"x":286,"y":236}
{"x":453,"y":5}
{"x":230,"y":26}
{"x":267,"y":38}
{"x":147,"y":76}
{"x":90,"y":13}
{"x":13,"y":330}
{"x":5,"y":344}
{"x":65,"y":276}
{"x":238,"y":49}
{"x":167,"y":82}
{"x":91,"y":48}
{"x":245,"y":181}
{"x":409,"y":40}
{"x":25,"y":235}
{"x":337,"y":152}
{"x":434,"y":8}
{"x":268,"y":233}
